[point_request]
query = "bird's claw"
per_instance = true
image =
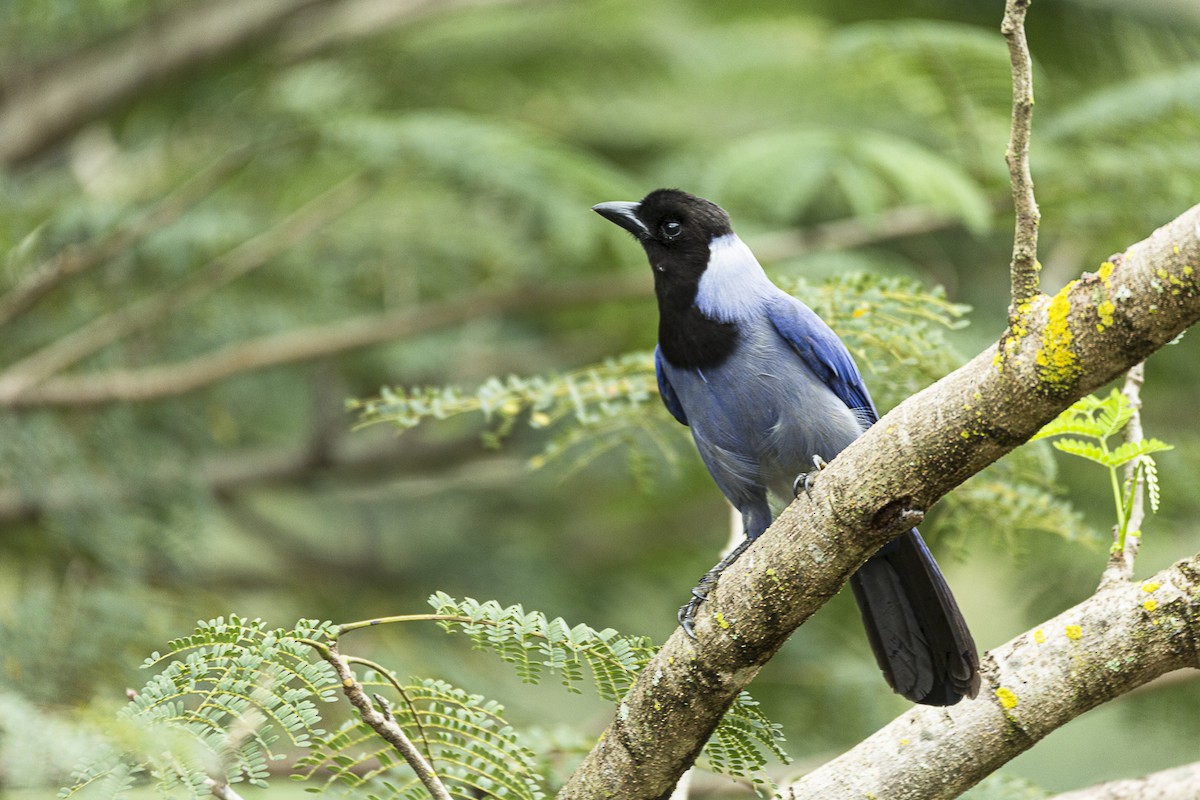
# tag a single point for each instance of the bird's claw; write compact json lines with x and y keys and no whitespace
{"x":687,"y":612}
{"x":805,"y":479}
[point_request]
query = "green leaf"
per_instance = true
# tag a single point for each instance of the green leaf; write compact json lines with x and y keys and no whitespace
{"x":1131,"y":450}
{"x":1091,"y":452}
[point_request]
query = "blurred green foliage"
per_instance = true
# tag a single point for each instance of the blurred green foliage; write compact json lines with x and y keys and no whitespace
{"x":844,"y":139}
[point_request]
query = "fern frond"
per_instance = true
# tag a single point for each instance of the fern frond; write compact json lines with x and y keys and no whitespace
{"x":1113,"y":413}
{"x":464,"y":738}
{"x":586,"y":395}
{"x":1078,"y":447}
{"x":743,"y":742}
{"x":224,"y":697}
{"x":535,"y":644}
{"x":1091,"y":417}
{"x":1079,"y":420}
{"x":1139,"y":449}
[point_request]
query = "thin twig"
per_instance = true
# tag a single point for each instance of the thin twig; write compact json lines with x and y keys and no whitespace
{"x":390,"y":677}
{"x":226,"y":475}
{"x":1120,"y":563}
{"x":247,"y":256}
{"x":383,"y":723}
{"x":1025,"y":266}
{"x":78,"y":258}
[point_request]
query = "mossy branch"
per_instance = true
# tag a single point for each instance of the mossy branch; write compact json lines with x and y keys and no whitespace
{"x":1116,"y":640}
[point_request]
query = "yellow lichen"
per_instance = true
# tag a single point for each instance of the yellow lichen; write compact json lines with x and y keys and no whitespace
{"x":1151,"y":586}
{"x":1007,"y":698}
{"x":1074,"y":632}
{"x":1039,"y":636}
{"x":1105,"y":311}
{"x":1056,"y":358}
{"x":720,"y":618}
{"x":1106,"y":270}
{"x":1150,"y":604}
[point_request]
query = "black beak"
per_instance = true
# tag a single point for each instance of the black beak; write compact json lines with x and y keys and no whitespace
{"x":625,"y":215}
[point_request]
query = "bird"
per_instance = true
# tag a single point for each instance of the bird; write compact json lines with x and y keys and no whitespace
{"x":768,"y":390}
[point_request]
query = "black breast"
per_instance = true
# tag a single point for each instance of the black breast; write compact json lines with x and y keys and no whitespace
{"x":688,"y":339}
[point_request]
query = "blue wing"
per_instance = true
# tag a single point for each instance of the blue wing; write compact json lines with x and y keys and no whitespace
{"x":666,"y":391}
{"x":823,"y":352}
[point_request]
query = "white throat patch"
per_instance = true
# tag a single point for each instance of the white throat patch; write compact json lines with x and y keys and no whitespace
{"x":733,"y":286}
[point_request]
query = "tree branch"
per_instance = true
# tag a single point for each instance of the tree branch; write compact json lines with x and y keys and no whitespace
{"x":247,"y":256}
{"x":229,"y":474}
{"x":1025,"y":267}
{"x":307,"y":344}
{"x":51,"y":102}
{"x":221,"y":790}
{"x":1180,"y":783}
{"x":1094,"y":329}
{"x":846,"y":234}
{"x":1116,"y":640}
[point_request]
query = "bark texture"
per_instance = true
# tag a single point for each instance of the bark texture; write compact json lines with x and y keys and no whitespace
{"x":1057,"y":349}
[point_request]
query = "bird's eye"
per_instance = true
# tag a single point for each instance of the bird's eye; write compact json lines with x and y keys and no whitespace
{"x":671,"y":229}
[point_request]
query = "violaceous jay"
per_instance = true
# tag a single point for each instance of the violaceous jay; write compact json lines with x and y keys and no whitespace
{"x":768,"y":390}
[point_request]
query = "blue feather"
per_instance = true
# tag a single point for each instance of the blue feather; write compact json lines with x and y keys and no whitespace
{"x":822,"y":352}
{"x":666,"y":391}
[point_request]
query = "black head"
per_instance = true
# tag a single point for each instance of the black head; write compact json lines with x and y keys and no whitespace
{"x":674,"y":227}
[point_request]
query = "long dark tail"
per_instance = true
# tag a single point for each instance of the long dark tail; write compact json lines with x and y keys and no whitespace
{"x":918,"y":634}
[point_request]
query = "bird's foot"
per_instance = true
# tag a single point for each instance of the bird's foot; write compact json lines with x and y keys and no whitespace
{"x":805,"y":479}
{"x":687,"y":612}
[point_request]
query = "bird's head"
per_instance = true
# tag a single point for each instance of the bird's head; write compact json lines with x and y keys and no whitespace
{"x":675,"y":228}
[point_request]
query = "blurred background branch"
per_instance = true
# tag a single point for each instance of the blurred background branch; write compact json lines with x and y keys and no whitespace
{"x":44,"y":105}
